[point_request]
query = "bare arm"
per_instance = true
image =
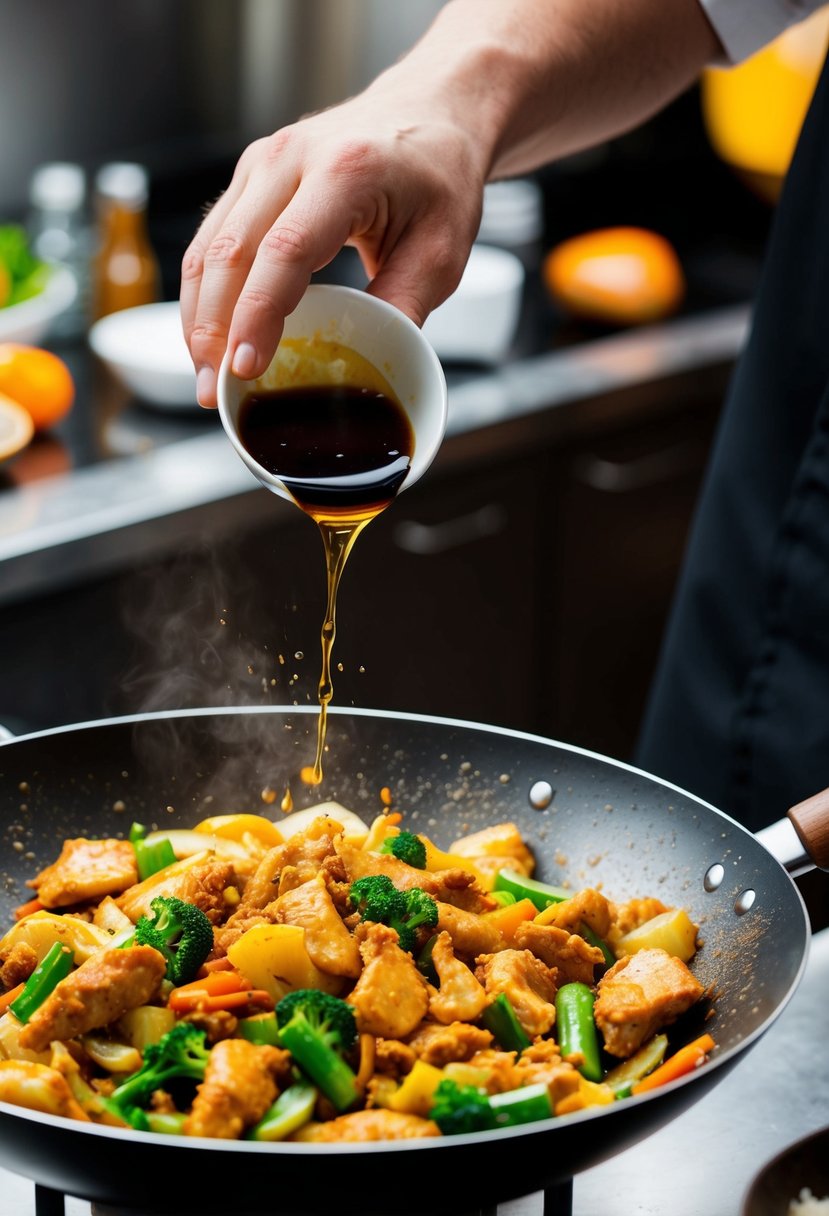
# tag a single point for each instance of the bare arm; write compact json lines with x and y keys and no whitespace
{"x":491,"y":90}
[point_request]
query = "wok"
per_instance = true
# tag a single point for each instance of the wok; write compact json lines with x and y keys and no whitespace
{"x":589,"y":819}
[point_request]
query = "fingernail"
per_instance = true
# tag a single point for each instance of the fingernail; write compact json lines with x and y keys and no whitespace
{"x":244,"y":361}
{"x":205,"y":380}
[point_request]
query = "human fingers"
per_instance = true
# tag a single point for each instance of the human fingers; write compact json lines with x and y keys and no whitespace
{"x":307,"y":235}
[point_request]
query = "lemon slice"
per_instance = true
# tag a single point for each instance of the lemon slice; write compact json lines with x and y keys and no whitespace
{"x":16,"y":427}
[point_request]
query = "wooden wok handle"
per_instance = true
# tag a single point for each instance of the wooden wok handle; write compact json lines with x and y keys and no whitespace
{"x":811,"y":822}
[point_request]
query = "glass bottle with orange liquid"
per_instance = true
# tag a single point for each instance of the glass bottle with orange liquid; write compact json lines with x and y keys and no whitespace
{"x":126,"y":272}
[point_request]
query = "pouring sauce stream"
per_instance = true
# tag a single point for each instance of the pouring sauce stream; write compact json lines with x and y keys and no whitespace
{"x":342,"y":452}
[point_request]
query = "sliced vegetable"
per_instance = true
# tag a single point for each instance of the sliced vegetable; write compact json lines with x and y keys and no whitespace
{"x":218,"y":990}
{"x":170,"y":1123}
{"x":292,"y":1109}
{"x":683,"y":1061}
{"x":541,"y":893}
{"x":274,"y":958}
{"x":502,"y":1021}
{"x":594,"y":940}
{"x":672,"y":931}
{"x":576,"y":1029}
{"x":8,"y":997}
{"x":649,"y":1056}
{"x":44,"y":979}
{"x":150,"y":856}
{"x":260,"y":1029}
{"x":240,"y":826}
{"x":416,"y":1093}
{"x":424,"y":961}
{"x":507,"y":919}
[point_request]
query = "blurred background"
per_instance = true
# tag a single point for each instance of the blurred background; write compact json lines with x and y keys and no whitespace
{"x":527,"y":579}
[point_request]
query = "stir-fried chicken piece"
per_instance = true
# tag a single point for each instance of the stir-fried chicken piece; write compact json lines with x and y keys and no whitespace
{"x":586,"y":907}
{"x":329,"y":944}
{"x":499,"y":1067}
{"x":304,"y":853}
{"x":391,"y":997}
{"x":639,"y":995}
{"x":108,"y":984}
{"x":471,"y":935}
{"x":462,"y":889}
{"x":16,"y":964}
{"x":460,"y":998}
{"x":627,"y":917}
{"x":86,"y":870}
{"x":365,"y":1125}
{"x":202,"y":883}
{"x":439,"y":1045}
{"x":359,"y":863}
{"x":499,"y":847}
{"x":38,"y":1087}
{"x":542,"y":1062}
{"x":568,"y":954}
{"x":393,"y":1058}
{"x":527,"y":983}
{"x":238,"y":1088}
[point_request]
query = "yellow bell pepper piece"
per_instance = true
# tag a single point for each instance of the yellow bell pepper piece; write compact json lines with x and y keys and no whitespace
{"x":415,"y":1095}
{"x":273,"y":957}
{"x":236,"y":827}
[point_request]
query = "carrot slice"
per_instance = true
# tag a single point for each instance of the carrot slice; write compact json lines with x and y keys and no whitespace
{"x":27,"y":908}
{"x":681,"y":1062}
{"x":218,"y":990}
{"x":12,"y":995}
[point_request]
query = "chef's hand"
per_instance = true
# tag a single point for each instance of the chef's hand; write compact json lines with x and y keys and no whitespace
{"x":401,"y":185}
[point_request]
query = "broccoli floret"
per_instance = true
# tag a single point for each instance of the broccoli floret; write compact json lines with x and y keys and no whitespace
{"x":464,"y":1108}
{"x":180,"y":1054}
{"x":178,"y":930}
{"x":378,"y":899}
{"x":405,"y":846}
{"x":461,"y":1108}
{"x":319,"y":1030}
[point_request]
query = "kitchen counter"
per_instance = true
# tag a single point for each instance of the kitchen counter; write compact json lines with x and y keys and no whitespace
{"x":702,"y":1163}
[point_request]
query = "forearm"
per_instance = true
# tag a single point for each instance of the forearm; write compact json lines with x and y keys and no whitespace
{"x":534,"y":80}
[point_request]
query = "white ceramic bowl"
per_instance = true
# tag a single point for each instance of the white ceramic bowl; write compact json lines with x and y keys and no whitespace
{"x":29,"y":321}
{"x":383,"y":336}
{"x":477,"y":322}
{"x":144,"y":348}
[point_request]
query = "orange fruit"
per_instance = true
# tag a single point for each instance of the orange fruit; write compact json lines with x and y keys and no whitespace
{"x":38,"y":380}
{"x":16,"y":427}
{"x":624,"y":275}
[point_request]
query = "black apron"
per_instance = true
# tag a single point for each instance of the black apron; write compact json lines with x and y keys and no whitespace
{"x":739,"y":708}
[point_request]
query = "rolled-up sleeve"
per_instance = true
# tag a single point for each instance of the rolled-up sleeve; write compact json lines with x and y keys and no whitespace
{"x":744,"y":26}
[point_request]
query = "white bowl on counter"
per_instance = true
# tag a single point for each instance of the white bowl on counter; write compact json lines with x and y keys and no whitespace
{"x":29,"y":321}
{"x":144,"y":349}
{"x":477,"y":323}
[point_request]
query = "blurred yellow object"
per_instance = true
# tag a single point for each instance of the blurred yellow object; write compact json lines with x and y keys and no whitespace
{"x":753,"y":112}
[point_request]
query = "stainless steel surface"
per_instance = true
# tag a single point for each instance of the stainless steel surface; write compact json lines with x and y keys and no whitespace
{"x":104,"y":517}
{"x":701,"y":1163}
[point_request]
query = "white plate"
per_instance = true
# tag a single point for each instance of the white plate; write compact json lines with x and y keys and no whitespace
{"x":30,"y":320}
{"x":144,"y":348}
{"x":478,"y":321}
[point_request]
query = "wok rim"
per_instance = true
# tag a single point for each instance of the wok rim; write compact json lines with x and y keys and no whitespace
{"x":719,"y":1063}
